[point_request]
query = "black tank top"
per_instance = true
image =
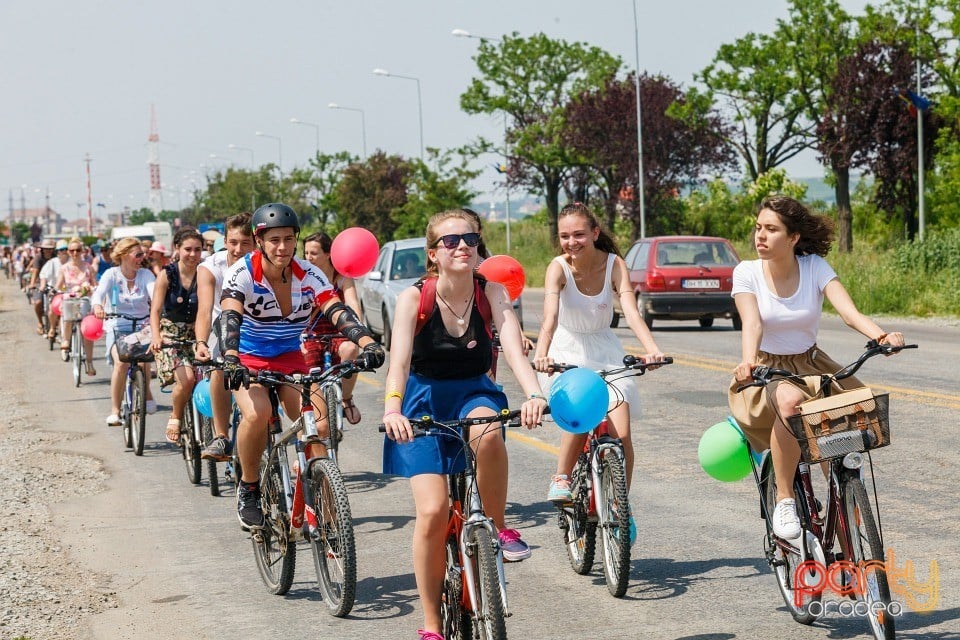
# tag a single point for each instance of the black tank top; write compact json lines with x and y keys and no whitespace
{"x":180,"y":305}
{"x":437,"y":354}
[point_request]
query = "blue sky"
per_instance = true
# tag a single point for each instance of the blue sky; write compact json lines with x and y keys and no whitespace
{"x":80,"y":77}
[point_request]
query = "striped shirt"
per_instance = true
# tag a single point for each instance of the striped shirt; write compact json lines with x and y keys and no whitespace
{"x":265,"y":331}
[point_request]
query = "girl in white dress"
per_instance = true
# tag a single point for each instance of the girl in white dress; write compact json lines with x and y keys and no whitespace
{"x":577,"y":311}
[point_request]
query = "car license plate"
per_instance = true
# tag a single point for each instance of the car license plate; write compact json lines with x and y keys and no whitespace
{"x":703,"y":283}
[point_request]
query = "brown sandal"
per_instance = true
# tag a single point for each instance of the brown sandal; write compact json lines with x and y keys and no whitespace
{"x":350,"y":411}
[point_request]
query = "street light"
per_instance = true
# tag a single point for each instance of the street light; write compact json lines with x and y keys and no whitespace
{"x":384,"y":72}
{"x":238,"y":147}
{"x":309,"y":124}
{"x":363,"y":123}
{"x":261,"y":134}
{"x":640,"y":182}
{"x":463,"y":33}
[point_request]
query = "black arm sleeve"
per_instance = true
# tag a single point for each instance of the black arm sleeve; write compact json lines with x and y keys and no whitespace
{"x":347,"y":322}
{"x":230,"y":330}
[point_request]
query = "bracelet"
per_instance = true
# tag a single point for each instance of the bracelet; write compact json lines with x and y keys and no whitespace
{"x":390,"y":413}
{"x":536,"y":396}
{"x":393,"y":394}
{"x":204,"y":343}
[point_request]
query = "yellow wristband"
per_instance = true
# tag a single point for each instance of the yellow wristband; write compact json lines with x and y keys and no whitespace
{"x":393,"y":394}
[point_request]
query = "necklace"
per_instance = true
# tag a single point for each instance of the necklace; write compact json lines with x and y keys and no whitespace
{"x":460,"y":318}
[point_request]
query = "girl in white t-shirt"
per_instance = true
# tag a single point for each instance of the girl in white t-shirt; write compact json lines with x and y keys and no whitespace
{"x":780,"y":299}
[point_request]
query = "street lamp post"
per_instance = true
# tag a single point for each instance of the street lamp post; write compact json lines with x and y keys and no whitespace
{"x":363,"y":123}
{"x":239,"y":148}
{"x":261,"y":134}
{"x":384,"y":72}
{"x":309,"y":124}
{"x":463,"y":33}
{"x":640,"y":181}
{"x":921,"y":209}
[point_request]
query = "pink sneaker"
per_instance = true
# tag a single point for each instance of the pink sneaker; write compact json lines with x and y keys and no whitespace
{"x":429,"y":635}
{"x":514,"y":548}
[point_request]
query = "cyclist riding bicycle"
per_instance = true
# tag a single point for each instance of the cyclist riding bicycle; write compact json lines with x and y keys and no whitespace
{"x":268,"y":299}
{"x":237,"y":243}
{"x":43,"y":271}
{"x":173,"y":312}
{"x":780,"y":299}
{"x":442,"y":372}
{"x":76,"y":278}
{"x":577,"y":312}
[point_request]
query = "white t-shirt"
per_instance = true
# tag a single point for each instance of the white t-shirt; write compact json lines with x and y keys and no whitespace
{"x":790,"y":324}
{"x":217,"y":266}
{"x":50,"y":270}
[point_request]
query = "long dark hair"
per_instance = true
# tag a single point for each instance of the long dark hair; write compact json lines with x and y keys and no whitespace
{"x":816,"y":231}
{"x":605,"y":241}
{"x":325,"y":242}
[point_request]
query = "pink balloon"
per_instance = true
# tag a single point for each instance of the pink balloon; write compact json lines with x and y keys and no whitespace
{"x":91,"y":327}
{"x":507,"y":271}
{"x":55,"y":304}
{"x":354,"y":252}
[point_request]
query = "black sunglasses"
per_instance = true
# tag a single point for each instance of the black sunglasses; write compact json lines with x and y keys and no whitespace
{"x":452,"y":241}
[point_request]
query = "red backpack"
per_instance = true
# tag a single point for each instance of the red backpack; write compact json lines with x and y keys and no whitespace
{"x":428,"y":300}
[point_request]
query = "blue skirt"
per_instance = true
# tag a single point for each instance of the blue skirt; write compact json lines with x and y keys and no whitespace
{"x":441,"y":400}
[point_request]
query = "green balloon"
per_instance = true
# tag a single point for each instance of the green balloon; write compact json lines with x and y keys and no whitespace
{"x":723,"y":453}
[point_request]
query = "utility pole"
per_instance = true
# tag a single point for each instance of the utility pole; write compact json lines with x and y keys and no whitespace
{"x":87,"y":160}
{"x":921,"y":209}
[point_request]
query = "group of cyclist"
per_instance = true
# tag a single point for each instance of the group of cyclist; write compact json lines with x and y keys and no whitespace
{"x":249,"y":304}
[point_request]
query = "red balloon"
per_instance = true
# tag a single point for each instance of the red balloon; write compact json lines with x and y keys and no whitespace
{"x":354,"y":252}
{"x":507,"y":271}
{"x":91,"y":327}
{"x":55,"y":304}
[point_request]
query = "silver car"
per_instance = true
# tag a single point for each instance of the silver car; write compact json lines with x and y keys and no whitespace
{"x":400,"y":264}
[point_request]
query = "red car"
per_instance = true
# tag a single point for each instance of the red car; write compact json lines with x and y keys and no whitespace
{"x":683,"y":278}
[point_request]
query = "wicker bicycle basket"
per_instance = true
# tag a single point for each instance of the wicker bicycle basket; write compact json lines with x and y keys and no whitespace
{"x":843,"y":423}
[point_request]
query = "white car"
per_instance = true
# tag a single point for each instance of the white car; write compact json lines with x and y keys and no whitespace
{"x":400,"y":264}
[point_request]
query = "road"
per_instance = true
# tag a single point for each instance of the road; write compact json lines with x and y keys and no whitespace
{"x":181,"y":567}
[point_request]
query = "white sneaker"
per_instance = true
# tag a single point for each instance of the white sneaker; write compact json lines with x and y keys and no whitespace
{"x":151,"y":407}
{"x":786,"y":524}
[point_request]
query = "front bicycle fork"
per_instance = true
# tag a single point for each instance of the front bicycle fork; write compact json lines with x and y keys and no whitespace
{"x":474,"y":520}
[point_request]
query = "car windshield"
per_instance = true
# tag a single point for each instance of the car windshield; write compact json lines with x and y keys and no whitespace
{"x":407,"y":264}
{"x":694,"y":253}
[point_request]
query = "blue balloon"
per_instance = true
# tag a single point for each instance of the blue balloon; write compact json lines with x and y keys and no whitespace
{"x":578,"y":400}
{"x":201,"y":398}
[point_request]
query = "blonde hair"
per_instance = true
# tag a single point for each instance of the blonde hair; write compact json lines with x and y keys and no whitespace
{"x":75,"y":240}
{"x":122,"y":248}
{"x":433,"y":238}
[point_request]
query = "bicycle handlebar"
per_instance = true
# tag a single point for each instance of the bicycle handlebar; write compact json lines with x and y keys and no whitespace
{"x":764,"y":375}
{"x":125,"y":316}
{"x":427,"y":426}
{"x":631,"y":363}
{"x":274,"y":378}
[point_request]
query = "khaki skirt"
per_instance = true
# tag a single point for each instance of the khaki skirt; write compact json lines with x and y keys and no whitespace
{"x":752,"y":408}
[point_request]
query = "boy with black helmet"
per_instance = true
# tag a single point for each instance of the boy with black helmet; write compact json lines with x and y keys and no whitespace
{"x":268,"y":299}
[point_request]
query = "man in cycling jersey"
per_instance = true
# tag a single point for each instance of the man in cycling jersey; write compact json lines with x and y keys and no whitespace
{"x":238,"y":243}
{"x":268,"y":298}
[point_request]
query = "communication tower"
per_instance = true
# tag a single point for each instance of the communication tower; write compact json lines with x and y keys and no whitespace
{"x":153,"y":160}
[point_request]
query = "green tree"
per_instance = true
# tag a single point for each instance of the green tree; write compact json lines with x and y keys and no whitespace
{"x":752,"y":82}
{"x":140,"y":216}
{"x":816,"y":36}
{"x":21,"y":232}
{"x":530,"y":81}
{"x":327,"y":172}
{"x":371,"y":193}
{"x":233,"y":190}
{"x":431,"y":190}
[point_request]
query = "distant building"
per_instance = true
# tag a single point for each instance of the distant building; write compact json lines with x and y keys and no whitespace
{"x":49,"y":221}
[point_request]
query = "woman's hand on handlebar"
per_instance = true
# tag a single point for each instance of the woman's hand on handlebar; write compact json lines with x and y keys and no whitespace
{"x":531,"y":411}
{"x":99,"y":312}
{"x":397,"y":427}
{"x":201,"y":351}
{"x":654,"y":356}
{"x":894,"y":339}
{"x":543,"y":364}
{"x":743,"y":372}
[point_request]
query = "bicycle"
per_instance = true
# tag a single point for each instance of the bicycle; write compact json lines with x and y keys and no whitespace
{"x":802,"y":566}
{"x":312,"y":505}
{"x":474,"y":599}
{"x":133,"y":404}
{"x":193,"y":426}
{"x":598,"y":483}
{"x":73,"y":310}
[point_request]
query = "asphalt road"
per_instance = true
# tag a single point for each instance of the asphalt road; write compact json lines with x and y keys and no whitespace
{"x":182,"y":568}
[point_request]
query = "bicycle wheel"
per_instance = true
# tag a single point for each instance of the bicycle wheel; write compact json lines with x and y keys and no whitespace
{"x":333,"y":545}
{"x":138,"y":409}
{"x":785,"y":560}
{"x":274,"y":548}
{"x":126,"y":414}
{"x":456,"y":618}
{"x":189,"y":447}
{"x":579,"y":533}
{"x":206,"y":430}
{"x":614,"y":511}
{"x":865,"y":547}
{"x":76,"y":350}
{"x":333,"y":399}
{"x":489,"y":620}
